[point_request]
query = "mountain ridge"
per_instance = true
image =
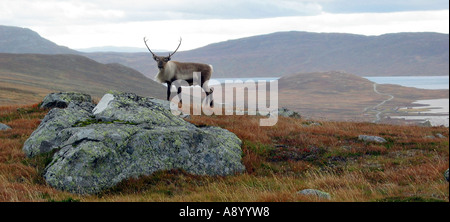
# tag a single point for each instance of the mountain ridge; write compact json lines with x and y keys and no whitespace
{"x":23,"y":40}
{"x":283,"y":53}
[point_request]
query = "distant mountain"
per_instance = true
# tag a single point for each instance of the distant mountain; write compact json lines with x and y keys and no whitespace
{"x":23,"y":40}
{"x":277,"y":54}
{"x":27,"y":78}
{"x":114,"y":49}
{"x":284,"y":53}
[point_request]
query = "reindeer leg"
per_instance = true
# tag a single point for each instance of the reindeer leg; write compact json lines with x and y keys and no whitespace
{"x":210,"y":91}
{"x":211,"y":104}
{"x":169,"y":86}
{"x":179,"y":94}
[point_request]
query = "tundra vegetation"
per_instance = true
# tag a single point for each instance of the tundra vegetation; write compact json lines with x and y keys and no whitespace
{"x":293,"y":155}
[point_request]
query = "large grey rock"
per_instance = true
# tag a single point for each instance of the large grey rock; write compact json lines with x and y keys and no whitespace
{"x":99,"y":156}
{"x":376,"y":139}
{"x":4,"y":126}
{"x":62,"y":99}
{"x":131,"y":108}
{"x":126,"y":136}
{"x":47,"y":136}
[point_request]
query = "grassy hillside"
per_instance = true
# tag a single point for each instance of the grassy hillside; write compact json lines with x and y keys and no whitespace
{"x":343,"y":96}
{"x":284,"y":53}
{"x":280,"y":160}
{"x":27,"y":78}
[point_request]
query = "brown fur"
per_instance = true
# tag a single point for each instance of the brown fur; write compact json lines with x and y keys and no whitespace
{"x":170,"y":71}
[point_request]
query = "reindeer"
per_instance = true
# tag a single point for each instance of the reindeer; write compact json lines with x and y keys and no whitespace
{"x":170,"y":71}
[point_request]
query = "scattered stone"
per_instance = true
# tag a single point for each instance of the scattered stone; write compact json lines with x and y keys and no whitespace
{"x":283,"y":111}
{"x":126,"y":136}
{"x":446,"y":175}
{"x":314,"y":192}
{"x":62,"y":99}
{"x":376,"y":139}
{"x":311,"y":123}
{"x":440,"y":135}
{"x":4,"y":126}
{"x":437,"y":135}
{"x":425,"y":124}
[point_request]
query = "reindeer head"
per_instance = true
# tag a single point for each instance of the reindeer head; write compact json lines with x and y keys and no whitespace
{"x":161,"y":60}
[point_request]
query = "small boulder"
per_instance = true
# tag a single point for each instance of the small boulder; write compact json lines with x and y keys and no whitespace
{"x":314,"y":192}
{"x":376,"y":139}
{"x":62,"y":99}
{"x":283,"y":111}
{"x":4,"y":126}
{"x":439,"y":135}
{"x":425,"y":124}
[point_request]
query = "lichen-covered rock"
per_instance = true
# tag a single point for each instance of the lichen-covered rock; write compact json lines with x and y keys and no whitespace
{"x":4,"y":126}
{"x":62,"y":99}
{"x":99,"y":156}
{"x":47,"y":136}
{"x":125,"y":136}
{"x":376,"y":139}
{"x":132,"y":108}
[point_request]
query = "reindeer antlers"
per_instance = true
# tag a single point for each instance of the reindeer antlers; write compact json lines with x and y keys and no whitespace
{"x":171,"y":54}
{"x":145,"y":41}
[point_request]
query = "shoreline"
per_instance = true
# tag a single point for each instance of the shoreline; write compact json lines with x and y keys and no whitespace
{"x":434,"y":111}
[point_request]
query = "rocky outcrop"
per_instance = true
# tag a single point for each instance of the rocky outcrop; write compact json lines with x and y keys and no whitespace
{"x":62,"y":99}
{"x":125,"y":136}
{"x":47,"y":136}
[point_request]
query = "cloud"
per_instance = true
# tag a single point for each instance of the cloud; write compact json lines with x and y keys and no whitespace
{"x":83,"y":23}
{"x":53,"y":12}
{"x":383,"y":6}
{"x":101,"y":11}
{"x":197,"y":33}
{"x":79,"y":12}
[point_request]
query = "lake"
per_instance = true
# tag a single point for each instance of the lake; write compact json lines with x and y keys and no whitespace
{"x":421,"y":82}
{"x":255,"y":79}
{"x":438,"y":107}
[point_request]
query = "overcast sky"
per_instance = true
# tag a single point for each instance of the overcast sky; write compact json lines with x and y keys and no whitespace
{"x":89,"y":23}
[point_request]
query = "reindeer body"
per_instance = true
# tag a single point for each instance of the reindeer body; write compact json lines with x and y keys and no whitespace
{"x":185,"y":71}
{"x":170,"y":71}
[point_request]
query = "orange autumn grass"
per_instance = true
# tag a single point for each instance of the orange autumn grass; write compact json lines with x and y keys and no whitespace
{"x":280,"y":160}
